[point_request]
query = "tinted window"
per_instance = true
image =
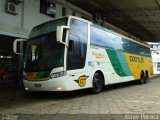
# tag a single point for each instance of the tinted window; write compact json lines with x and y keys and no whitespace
{"x":47,"y":27}
{"x":78,"y":37}
{"x":44,"y":53}
{"x":135,"y":48}
{"x":105,"y":38}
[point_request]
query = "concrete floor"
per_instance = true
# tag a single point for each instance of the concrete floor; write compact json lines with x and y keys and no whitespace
{"x":126,"y":98}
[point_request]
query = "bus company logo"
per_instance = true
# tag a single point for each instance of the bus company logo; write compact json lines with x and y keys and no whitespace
{"x":98,"y":55}
{"x":136,"y":59}
{"x":82,"y":80}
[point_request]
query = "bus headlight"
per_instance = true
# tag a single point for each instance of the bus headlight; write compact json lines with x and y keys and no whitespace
{"x":26,"y":89}
{"x":56,"y":75}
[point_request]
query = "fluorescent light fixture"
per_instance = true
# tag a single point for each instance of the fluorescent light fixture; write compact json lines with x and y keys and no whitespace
{"x":51,"y":9}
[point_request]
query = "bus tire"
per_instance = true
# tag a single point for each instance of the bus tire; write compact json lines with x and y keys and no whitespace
{"x":146,"y":74}
{"x":97,"y":83}
{"x":142,"y":78}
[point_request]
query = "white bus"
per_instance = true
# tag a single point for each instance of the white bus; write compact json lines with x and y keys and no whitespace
{"x":71,"y":53}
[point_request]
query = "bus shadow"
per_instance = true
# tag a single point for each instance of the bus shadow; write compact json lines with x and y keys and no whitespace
{"x":77,"y":93}
{"x":58,"y":95}
{"x":120,"y":85}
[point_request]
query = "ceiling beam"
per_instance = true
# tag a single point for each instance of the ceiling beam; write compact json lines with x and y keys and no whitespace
{"x":118,"y":17}
{"x":132,"y":12}
{"x":158,"y":2}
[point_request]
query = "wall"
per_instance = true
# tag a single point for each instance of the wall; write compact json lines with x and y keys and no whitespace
{"x":155,"y":50}
{"x":9,"y":24}
{"x":29,"y":16}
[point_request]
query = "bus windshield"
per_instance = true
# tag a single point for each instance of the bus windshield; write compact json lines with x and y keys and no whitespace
{"x":43,"y":52}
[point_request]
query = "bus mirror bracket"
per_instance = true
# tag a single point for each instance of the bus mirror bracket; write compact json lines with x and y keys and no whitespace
{"x":60,"y":30}
{"x":15,"y":45}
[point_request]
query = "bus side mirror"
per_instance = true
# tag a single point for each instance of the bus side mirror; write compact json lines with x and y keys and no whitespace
{"x":15,"y":45}
{"x":60,"y":33}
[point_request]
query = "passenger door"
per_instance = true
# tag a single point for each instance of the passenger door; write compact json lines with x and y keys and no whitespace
{"x":78,"y":40}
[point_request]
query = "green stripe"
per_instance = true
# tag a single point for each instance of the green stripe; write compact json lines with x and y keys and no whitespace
{"x":119,"y":62}
{"x":43,"y":74}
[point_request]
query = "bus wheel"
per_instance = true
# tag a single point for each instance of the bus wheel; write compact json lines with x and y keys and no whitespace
{"x":147,"y":76}
{"x":97,"y":83}
{"x":143,"y":78}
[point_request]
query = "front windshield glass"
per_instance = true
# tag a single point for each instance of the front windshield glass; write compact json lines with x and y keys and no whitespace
{"x":43,"y":52}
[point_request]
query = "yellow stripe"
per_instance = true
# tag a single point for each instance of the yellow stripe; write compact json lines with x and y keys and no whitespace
{"x":100,"y":56}
{"x":38,"y":79}
{"x":33,"y":76}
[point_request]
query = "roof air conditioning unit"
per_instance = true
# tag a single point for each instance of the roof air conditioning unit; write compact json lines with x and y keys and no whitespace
{"x":12,"y":8}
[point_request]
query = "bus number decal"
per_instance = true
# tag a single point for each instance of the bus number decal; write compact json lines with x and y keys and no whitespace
{"x":82,"y":80}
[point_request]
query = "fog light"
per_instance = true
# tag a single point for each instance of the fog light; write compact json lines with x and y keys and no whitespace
{"x":26,"y":89}
{"x":59,"y":88}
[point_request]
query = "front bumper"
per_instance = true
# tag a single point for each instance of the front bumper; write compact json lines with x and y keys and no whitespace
{"x":65,"y":83}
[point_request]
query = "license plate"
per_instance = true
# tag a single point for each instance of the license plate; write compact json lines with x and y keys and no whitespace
{"x":37,"y":85}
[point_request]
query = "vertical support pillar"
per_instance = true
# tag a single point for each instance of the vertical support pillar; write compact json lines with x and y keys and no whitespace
{"x":20,"y":65}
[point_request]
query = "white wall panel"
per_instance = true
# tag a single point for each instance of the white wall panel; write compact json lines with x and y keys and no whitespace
{"x":29,"y":16}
